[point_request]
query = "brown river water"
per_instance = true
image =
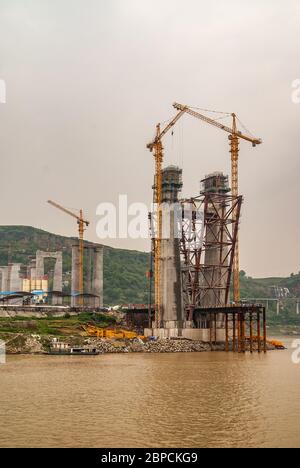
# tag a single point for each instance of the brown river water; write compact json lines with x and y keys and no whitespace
{"x":149,"y":400}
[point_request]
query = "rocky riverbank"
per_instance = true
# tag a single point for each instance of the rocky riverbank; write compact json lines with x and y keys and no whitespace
{"x":159,"y":346}
{"x":35,"y":335}
{"x":35,"y":344}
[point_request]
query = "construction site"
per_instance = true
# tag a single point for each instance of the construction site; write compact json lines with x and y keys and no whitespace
{"x":28,"y":285}
{"x":194,"y":276}
{"x":196,"y":265}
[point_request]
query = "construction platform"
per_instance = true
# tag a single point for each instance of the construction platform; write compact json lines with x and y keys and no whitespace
{"x":184,"y":330}
{"x":241,"y":327}
{"x":245,"y":326}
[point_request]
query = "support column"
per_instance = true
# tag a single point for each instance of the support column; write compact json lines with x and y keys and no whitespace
{"x":258,"y":332}
{"x":4,"y":279}
{"x":243,"y":337}
{"x":168,"y":287}
{"x":251,"y":332}
{"x":14,"y":280}
{"x":238,"y":333}
{"x":89,"y":271}
{"x":170,"y":276}
{"x":97,"y":284}
{"x":215,"y":327}
{"x":210,"y":331}
{"x":75,"y":275}
{"x":234,"y":333}
{"x":226,"y":334}
{"x":40,"y":264}
{"x":57,"y":278}
{"x":265,"y":330}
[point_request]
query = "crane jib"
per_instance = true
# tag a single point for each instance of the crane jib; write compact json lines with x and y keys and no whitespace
{"x":188,"y":110}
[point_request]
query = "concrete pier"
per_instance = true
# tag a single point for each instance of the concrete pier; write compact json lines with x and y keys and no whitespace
{"x":4,"y":278}
{"x":97,"y":281}
{"x":170,"y":278}
{"x":172,"y":306}
{"x":14,"y":278}
{"x":213,"y":277}
{"x":58,"y":272}
{"x":93,"y":282}
{"x":75,"y":275}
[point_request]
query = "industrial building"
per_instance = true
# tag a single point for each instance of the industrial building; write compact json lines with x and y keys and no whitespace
{"x":24,"y":284}
{"x":29,"y":285}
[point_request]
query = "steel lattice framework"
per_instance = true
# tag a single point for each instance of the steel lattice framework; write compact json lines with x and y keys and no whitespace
{"x":209,"y":223}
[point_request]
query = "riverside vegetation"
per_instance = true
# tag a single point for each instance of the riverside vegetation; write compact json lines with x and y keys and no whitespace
{"x":125,"y":280}
{"x":34,"y":336}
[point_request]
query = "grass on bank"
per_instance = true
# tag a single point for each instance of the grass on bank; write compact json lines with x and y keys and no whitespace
{"x":54,"y":326}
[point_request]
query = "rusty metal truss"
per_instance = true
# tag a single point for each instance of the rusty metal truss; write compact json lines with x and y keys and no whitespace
{"x":209,"y":223}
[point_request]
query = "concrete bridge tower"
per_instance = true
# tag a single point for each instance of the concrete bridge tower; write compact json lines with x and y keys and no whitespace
{"x":170,"y":277}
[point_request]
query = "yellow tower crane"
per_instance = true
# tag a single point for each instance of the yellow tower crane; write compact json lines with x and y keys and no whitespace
{"x":234,"y":137}
{"x":156,"y":147}
{"x":81,"y":227}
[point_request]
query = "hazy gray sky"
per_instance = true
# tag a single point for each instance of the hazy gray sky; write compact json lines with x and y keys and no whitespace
{"x":88,"y":80}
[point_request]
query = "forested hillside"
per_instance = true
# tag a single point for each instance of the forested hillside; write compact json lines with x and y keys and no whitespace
{"x":125,"y":271}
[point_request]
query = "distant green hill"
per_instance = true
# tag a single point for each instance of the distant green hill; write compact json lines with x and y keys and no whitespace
{"x":125,"y":271}
{"x":264,"y":288}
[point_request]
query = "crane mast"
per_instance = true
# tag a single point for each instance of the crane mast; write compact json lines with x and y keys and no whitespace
{"x":81,"y":227}
{"x":234,"y":136}
{"x":158,"y":155}
{"x":234,"y":150}
{"x":80,"y":223}
{"x":157,"y":148}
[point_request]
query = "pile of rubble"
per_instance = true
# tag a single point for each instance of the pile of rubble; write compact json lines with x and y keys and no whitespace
{"x":35,"y":344}
{"x":175,"y":346}
{"x":158,"y":346}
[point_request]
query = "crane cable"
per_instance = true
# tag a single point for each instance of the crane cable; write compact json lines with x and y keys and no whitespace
{"x":245,"y":128}
{"x":212,"y":111}
{"x":225,"y":114}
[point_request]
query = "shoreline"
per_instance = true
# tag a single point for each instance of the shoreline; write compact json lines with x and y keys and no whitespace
{"x":34,"y":336}
{"x":40,"y":346}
